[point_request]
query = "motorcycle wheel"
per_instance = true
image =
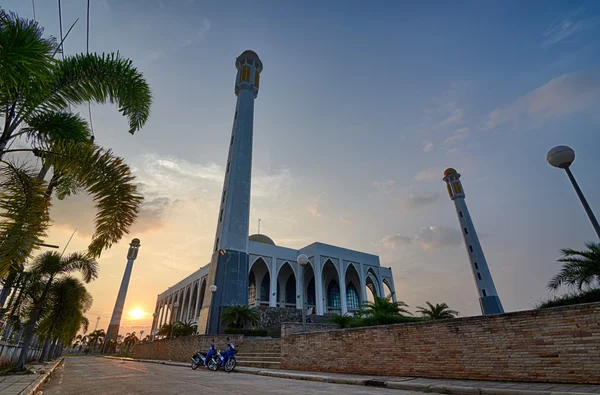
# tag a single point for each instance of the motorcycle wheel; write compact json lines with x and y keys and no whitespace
{"x":213,"y":365}
{"x":230,"y":365}
{"x":194,"y":365}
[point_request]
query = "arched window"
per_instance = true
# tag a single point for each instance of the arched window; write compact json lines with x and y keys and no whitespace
{"x":333,"y":295}
{"x":251,"y":288}
{"x":290,"y":290}
{"x":310,"y":297}
{"x":265,"y":288}
{"x":352,"y":297}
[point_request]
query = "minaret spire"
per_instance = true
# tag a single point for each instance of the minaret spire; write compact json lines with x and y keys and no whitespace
{"x":228,"y":269}
{"x":115,"y":321}
{"x":488,"y":297}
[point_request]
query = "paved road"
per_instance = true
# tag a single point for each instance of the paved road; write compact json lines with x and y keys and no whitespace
{"x":100,"y":376}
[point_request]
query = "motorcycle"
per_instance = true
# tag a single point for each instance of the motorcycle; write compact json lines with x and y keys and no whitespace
{"x":209,"y":359}
{"x":227,"y":358}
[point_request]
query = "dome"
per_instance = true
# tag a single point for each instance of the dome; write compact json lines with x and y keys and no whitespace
{"x":135,"y":241}
{"x":261,"y":239}
{"x":449,"y":171}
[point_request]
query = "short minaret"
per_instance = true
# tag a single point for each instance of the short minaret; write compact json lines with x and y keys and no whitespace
{"x":115,"y":320}
{"x":488,"y":297}
{"x":228,"y":269}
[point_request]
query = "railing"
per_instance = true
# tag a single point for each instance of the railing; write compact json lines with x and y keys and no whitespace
{"x":10,"y":352}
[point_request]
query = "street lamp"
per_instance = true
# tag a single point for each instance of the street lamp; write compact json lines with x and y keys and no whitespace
{"x":175,"y":305}
{"x":302,"y":262}
{"x":562,"y":157}
{"x":154,"y":325}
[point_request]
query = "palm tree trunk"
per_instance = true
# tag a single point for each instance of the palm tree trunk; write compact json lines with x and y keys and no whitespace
{"x":8,"y":283}
{"x":43,"y":172}
{"x":45,"y":350}
{"x":53,"y":349}
{"x":31,"y":327}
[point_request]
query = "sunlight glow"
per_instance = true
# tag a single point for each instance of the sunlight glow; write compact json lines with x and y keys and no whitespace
{"x":136,"y":313}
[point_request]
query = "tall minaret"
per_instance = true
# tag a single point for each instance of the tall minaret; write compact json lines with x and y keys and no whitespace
{"x":488,"y":297}
{"x":115,"y":320}
{"x":228,"y":269}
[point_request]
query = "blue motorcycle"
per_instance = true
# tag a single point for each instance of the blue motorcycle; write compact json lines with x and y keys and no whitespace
{"x":209,"y":359}
{"x":227,"y":358}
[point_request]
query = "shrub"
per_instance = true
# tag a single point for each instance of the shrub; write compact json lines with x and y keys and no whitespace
{"x":343,"y":321}
{"x":572,"y":298}
{"x":247,"y":332}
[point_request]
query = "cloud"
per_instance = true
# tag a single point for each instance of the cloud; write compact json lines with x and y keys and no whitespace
{"x":429,"y":238}
{"x":458,"y":136}
{"x":313,"y":208}
{"x":567,"y":28}
{"x":394,"y":241}
{"x":346,"y":220}
{"x":416,"y":202}
{"x":563,"y":95}
{"x":430,"y":174}
{"x":455,"y":117}
{"x":427,"y":145}
{"x":386,"y":186}
{"x":200,"y":33}
{"x":434,"y":237}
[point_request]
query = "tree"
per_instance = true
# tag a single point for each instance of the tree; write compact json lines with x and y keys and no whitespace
{"x":129,"y":341}
{"x":440,"y":311}
{"x":581,"y":269}
{"x":35,"y":93}
{"x":165,"y":330}
{"x":96,"y":338}
{"x":184,"y":328}
{"x":68,"y":301}
{"x":238,"y":316}
{"x":383,"y":307}
{"x":80,"y":342}
{"x":47,"y":267}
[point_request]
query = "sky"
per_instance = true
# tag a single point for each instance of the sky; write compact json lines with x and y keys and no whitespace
{"x":361,"y":108}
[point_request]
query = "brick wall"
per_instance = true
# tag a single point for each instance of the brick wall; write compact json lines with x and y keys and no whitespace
{"x":182,"y":348}
{"x":289,"y":328}
{"x":551,"y":345}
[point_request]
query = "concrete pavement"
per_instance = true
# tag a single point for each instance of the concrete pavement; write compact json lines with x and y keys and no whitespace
{"x":27,"y":384}
{"x":443,"y":386}
{"x":103,"y":376}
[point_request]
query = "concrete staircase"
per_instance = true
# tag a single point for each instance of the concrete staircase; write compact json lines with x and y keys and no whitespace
{"x":260,"y":353}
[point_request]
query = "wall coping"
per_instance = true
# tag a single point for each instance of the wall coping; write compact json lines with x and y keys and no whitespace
{"x":534,"y":312}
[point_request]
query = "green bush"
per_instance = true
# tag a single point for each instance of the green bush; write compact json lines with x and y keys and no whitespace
{"x":247,"y":332}
{"x":572,"y":298}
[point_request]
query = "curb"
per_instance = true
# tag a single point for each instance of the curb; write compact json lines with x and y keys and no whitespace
{"x":38,"y":383}
{"x":405,"y":385}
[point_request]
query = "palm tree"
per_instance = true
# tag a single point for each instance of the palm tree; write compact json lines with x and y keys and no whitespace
{"x":383,"y":307}
{"x":129,"y":341}
{"x":35,"y":93}
{"x":440,"y":311}
{"x":80,"y":341}
{"x":96,"y":338}
{"x":68,"y":302}
{"x":239,"y":315}
{"x":165,"y":330}
{"x":184,"y":328}
{"x":46,"y":268}
{"x":581,"y":269}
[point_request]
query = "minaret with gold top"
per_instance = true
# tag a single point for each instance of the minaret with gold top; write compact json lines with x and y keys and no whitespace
{"x":228,"y":270}
{"x":488,"y":297}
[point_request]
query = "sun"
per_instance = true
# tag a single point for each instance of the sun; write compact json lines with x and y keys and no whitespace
{"x":136,"y":313}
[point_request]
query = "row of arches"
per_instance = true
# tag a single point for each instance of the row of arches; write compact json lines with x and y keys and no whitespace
{"x":334,"y":292}
{"x":189,"y":301}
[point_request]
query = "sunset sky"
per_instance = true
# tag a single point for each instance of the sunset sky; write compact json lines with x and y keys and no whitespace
{"x":361,"y":108}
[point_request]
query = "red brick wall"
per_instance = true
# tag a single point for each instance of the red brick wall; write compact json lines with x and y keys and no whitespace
{"x":182,"y":348}
{"x":551,"y":345}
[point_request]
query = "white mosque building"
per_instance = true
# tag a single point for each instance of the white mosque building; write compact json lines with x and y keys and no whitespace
{"x":254,"y":270}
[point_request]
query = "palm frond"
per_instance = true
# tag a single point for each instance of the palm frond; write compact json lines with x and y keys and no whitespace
{"x":101,"y":78}
{"x":110,"y":182}
{"x":23,"y":214}
{"x":80,"y":262}
{"x":26,"y":56}
{"x":48,"y":127}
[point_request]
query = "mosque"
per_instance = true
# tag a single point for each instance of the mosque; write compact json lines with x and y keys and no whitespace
{"x":254,"y":270}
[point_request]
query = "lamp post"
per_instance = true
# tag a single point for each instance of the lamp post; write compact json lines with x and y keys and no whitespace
{"x":212,"y":289}
{"x":562,"y":157}
{"x":302,"y":262}
{"x":175,"y":305}
{"x":154,"y":324}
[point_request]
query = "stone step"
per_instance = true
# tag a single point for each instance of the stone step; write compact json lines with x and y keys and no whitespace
{"x":259,"y":364}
